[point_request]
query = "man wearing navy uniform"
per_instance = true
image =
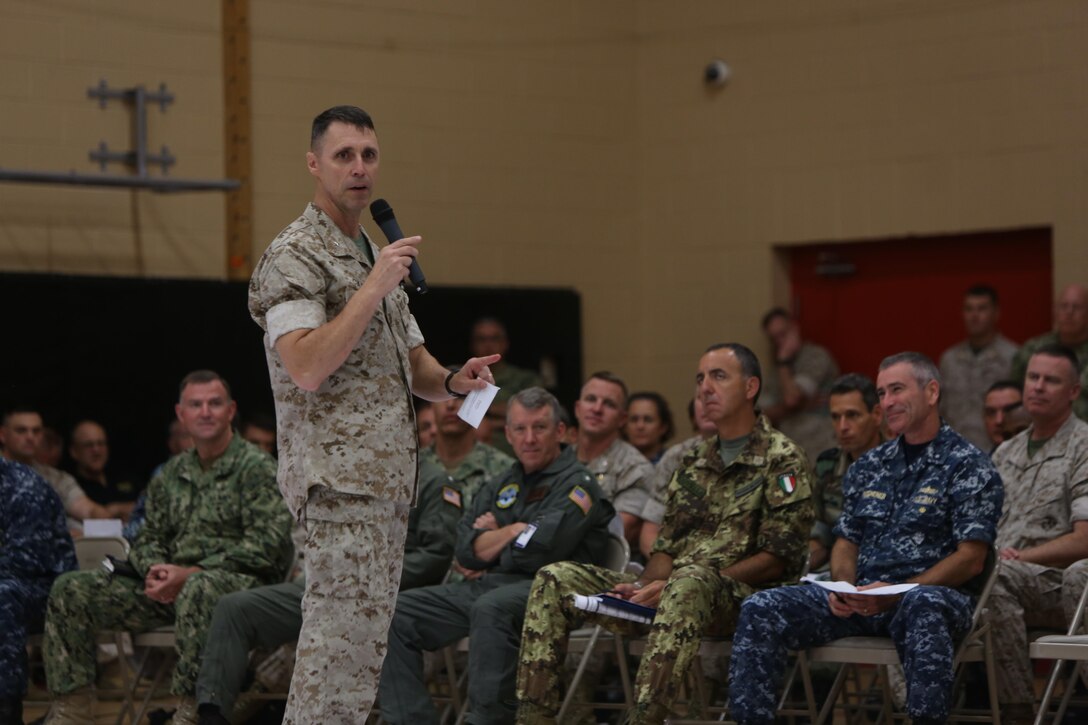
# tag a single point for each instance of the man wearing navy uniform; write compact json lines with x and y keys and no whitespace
{"x":921,"y":508}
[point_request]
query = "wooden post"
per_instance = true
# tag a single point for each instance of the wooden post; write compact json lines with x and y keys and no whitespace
{"x":237,"y":139}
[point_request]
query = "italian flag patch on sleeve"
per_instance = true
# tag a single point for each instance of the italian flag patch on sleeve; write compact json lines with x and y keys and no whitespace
{"x":788,"y":482}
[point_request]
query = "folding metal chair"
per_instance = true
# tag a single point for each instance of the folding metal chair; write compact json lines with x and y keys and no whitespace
{"x":976,"y":646}
{"x":1062,"y":647}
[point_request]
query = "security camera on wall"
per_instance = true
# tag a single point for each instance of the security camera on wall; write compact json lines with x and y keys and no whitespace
{"x":717,"y":73}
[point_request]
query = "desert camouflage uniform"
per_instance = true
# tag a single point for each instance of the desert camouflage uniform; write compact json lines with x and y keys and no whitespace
{"x":904,"y":520}
{"x":268,"y":617}
{"x":965,"y":376}
{"x":814,"y":370}
{"x":571,"y":516}
{"x":1045,"y":495}
{"x":624,"y":475}
{"x":1023,"y":356}
{"x":482,"y":463}
{"x":66,"y":487}
{"x":654,"y":510}
{"x":716,"y":516}
{"x":228,"y":520}
{"x":348,"y":461}
{"x":34,"y":549}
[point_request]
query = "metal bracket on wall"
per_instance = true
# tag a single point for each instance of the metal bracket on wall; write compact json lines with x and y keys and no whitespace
{"x":137,"y":158}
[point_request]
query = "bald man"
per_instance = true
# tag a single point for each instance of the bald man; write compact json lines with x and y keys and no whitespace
{"x":1070,"y":330}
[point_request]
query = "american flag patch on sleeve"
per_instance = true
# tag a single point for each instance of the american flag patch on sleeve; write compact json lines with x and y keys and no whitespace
{"x":451,"y":495}
{"x":581,"y":499}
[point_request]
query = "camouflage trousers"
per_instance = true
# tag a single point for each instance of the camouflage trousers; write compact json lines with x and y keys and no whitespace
{"x":21,"y":605}
{"x":695,"y":600}
{"x":1028,"y":595}
{"x":83,"y":603}
{"x":352,"y":560}
{"x":924,"y":627}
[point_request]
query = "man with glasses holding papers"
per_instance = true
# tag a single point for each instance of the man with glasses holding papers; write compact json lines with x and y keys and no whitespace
{"x":921,"y":508}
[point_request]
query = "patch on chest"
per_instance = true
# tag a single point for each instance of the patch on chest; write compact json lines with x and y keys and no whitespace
{"x":508,"y":494}
{"x":691,"y":487}
{"x":451,"y":496}
{"x":788,"y":482}
{"x":537,"y":493}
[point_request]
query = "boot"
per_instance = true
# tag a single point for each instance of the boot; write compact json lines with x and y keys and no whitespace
{"x":75,"y":708}
{"x":186,"y":713}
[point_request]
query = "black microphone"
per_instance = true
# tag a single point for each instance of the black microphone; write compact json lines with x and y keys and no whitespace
{"x":383,"y":217}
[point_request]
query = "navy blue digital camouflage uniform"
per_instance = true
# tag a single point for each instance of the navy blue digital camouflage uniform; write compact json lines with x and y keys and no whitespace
{"x":35,"y":547}
{"x":904,"y":519}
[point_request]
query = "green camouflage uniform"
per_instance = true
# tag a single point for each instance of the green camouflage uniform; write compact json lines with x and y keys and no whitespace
{"x":654,"y":510}
{"x":229,"y":520}
{"x":830,"y":467}
{"x":1020,"y":367}
{"x":482,"y":463}
{"x":715,"y":516}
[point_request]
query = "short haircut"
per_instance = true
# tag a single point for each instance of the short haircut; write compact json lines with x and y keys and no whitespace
{"x":772,"y":314}
{"x":982,"y":290}
{"x":609,"y":377}
{"x":535,"y":398}
{"x":421,"y":404}
{"x":203,"y":376}
{"x":662,"y":406}
{"x":18,"y":410}
{"x":749,"y":363}
{"x":352,"y":115}
{"x":923,"y":368}
{"x":856,"y":383}
{"x":1055,"y":349}
{"x":1005,"y":385}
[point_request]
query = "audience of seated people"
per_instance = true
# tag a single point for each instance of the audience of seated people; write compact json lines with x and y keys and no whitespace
{"x":649,"y":424}
{"x":20,"y":437}
{"x":706,"y":562}
{"x":489,"y":337}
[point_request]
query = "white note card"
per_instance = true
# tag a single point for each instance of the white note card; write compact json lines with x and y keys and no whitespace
{"x":476,"y":404}
{"x":101,"y":527}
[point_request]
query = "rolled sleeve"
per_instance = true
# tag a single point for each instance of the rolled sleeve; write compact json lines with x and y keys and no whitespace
{"x":294,"y":315}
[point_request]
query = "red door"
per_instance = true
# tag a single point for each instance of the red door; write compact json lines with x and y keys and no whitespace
{"x":867,"y":300}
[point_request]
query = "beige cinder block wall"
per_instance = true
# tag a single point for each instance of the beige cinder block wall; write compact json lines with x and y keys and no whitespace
{"x":506,"y":134}
{"x":845,"y":121}
{"x":573,"y":143}
{"x":51,"y":52}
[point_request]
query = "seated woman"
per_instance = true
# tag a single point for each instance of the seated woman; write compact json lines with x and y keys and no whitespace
{"x":649,"y":424}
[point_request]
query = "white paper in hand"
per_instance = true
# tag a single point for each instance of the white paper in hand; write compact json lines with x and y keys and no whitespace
{"x":476,"y":404}
{"x":94,"y":528}
{"x":848,"y":588}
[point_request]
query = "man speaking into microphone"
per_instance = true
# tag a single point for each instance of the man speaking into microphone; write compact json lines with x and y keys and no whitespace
{"x":345,"y":355}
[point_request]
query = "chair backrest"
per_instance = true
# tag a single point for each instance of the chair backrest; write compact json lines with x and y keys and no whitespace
{"x":617,"y":553}
{"x":988,"y":578}
{"x":90,"y":551}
